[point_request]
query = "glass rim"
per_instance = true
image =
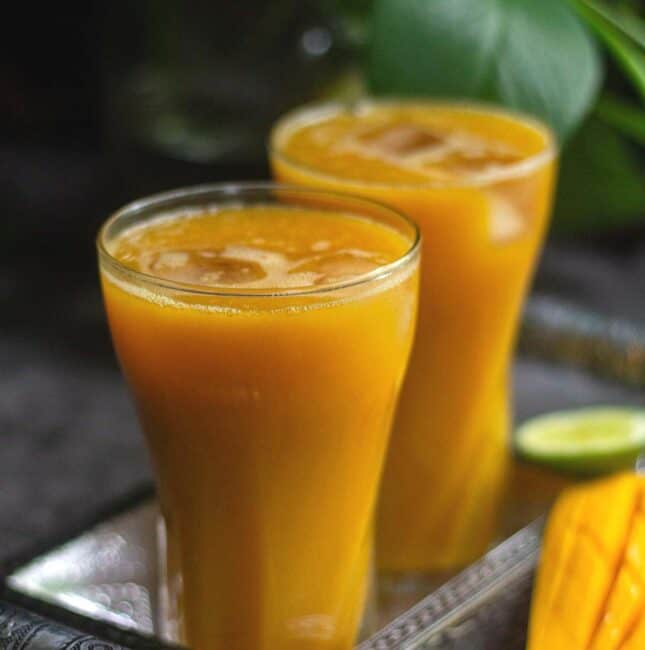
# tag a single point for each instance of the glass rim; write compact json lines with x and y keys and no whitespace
{"x":239,"y":189}
{"x":312,"y":112}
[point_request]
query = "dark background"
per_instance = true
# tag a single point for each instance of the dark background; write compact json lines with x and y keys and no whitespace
{"x":67,"y":436}
{"x":68,"y":442}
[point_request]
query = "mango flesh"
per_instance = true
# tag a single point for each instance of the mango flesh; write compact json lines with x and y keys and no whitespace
{"x":590,"y":589}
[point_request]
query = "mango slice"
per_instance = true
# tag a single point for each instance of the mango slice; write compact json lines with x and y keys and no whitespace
{"x":636,"y":637}
{"x":627,"y":599}
{"x":588,"y":591}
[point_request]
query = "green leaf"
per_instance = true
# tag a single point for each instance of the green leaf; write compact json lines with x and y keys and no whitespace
{"x":626,"y":118}
{"x":531,"y":55}
{"x":625,"y":21}
{"x":623,"y":34}
{"x":601,"y":182}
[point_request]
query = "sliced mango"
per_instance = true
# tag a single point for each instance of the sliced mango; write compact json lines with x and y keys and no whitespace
{"x":584,"y":592}
{"x":636,"y":638}
{"x":626,"y":601}
{"x":555,"y":551}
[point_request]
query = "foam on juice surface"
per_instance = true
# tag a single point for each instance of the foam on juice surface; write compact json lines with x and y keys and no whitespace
{"x":409,"y":144}
{"x":258,"y":248}
{"x":430,"y":151}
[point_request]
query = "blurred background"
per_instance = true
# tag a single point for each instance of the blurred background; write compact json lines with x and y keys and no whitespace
{"x":103,"y":102}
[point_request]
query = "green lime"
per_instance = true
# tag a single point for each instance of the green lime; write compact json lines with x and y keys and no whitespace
{"x":593,"y":440}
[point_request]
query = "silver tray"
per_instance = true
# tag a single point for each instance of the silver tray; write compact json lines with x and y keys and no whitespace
{"x":109,"y":572}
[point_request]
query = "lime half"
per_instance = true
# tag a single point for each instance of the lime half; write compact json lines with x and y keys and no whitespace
{"x":592,"y":440}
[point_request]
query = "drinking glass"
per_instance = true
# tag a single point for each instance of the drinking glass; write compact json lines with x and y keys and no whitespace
{"x":478,"y":180}
{"x":267,"y":415}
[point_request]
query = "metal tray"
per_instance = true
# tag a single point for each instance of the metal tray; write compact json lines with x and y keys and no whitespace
{"x":108,"y":573}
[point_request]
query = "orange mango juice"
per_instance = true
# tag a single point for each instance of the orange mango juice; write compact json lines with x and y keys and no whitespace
{"x":478,"y":182}
{"x":266,"y":392}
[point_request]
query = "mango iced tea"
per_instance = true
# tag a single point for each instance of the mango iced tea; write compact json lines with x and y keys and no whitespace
{"x":479,"y":184}
{"x":245,"y":329}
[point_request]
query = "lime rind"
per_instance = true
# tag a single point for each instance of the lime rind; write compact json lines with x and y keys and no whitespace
{"x":592,"y":440}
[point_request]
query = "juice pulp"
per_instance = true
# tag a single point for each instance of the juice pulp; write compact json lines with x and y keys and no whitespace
{"x":267,"y":416}
{"x":478,"y":183}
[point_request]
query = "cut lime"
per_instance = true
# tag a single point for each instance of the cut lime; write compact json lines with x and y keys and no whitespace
{"x":591,"y":440}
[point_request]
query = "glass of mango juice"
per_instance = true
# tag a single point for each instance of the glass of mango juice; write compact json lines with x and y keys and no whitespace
{"x":264,"y":333}
{"x":479,"y":183}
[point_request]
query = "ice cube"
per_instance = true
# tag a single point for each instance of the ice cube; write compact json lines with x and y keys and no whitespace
{"x":401,"y":139}
{"x":320,"y":245}
{"x":434,"y":153}
{"x":338,"y":266}
{"x":231,"y":271}
{"x":469,"y":154}
{"x":506,"y":223}
{"x":170,"y":260}
{"x":209,"y":267}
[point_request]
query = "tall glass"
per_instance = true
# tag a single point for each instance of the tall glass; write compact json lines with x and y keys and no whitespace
{"x":478,"y":181}
{"x":267,"y":415}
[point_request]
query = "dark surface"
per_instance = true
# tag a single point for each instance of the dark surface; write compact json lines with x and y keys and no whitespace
{"x":69,"y":437}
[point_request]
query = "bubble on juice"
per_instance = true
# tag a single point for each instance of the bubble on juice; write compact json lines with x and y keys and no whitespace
{"x":506,"y":223}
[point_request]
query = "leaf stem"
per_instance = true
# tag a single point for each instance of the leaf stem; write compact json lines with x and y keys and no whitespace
{"x":621,"y":19}
{"x":622,"y":33}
